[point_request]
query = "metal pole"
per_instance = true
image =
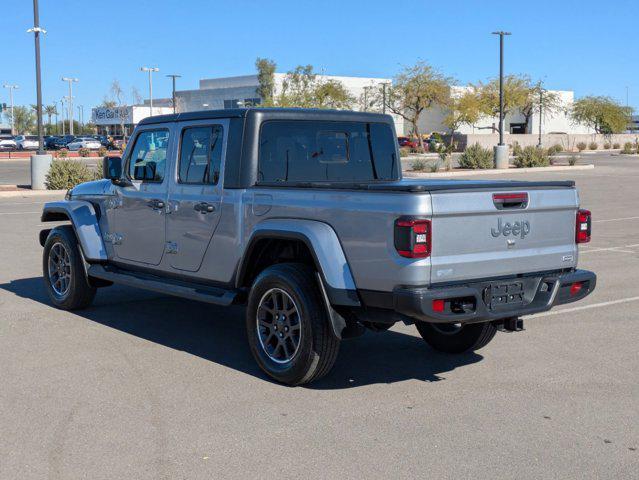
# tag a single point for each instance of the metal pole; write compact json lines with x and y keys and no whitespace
{"x":151,"y":92}
{"x":174,"y":100}
{"x":55,"y":105}
{"x":501,"y":89}
{"x":62,"y":114}
{"x":11,"y":88}
{"x":501,"y":85}
{"x":36,"y":30}
{"x":541,"y":110}
{"x":383,"y":98}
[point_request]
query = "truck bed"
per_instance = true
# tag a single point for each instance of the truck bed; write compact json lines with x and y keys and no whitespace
{"x":426,"y":185}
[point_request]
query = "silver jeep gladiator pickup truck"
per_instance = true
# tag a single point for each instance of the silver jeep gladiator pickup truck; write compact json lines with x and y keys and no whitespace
{"x":303,"y":216}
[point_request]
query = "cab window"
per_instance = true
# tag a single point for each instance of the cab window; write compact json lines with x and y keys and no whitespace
{"x":201,"y":155}
{"x":148,"y":157}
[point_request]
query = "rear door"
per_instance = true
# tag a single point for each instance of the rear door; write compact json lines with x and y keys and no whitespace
{"x":483,"y":234}
{"x":196,"y":192}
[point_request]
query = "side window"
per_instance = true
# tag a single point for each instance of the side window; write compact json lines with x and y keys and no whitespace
{"x":148,"y":157}
{"x":201,"y":155}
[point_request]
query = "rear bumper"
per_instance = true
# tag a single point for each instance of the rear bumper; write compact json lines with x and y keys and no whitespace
{"x":468,"y":303}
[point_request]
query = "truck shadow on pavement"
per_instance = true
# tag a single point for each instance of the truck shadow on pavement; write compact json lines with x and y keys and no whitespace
{"x":218,"y":334}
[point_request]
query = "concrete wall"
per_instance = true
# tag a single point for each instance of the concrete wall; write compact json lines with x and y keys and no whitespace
{"x":568,"y":142}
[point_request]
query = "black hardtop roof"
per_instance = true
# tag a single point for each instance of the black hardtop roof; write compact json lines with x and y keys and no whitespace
{"x":271,"y":113}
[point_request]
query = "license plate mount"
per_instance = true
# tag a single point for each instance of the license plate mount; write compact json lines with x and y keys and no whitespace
{"x":505,"y":295}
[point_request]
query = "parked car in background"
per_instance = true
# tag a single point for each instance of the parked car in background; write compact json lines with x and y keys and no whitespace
{"x":7,"y":142}
{"x":27,"y":142}
{"x":116,"y":142}
{"x":104,"y":141}
{"x":406,"y":142}
{"x":84,"y":142}
{"x":61,"y":142}
{"x":49,"y":141}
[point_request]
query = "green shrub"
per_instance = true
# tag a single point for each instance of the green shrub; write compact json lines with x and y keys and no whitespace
{"x":418,"y":165}
{"x":516,"y":148}
{"x":102,"y":151}
{"x":572,"y":161}
{"x":555,"y":149}
{"x":532,"y":157}
{"x":607,"y":146}
{"x":84,"y":152}
{"x":476,"y":157}
{"x":616,"y":146}
{"x":404,"y":152}
{"x":434,"y":167}
{"x":65,"y":174}
{"x":63,"y":153}
{"x":581,"y":146}
{"x":593,"y":146}
{"x":627,"y":148}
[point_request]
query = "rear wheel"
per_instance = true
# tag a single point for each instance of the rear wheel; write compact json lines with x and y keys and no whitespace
{"x":63,"y":270}
{"x":455,"y":337}
{"x":288,"y":327}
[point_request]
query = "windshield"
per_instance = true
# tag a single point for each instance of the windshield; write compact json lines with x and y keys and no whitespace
{"x":320,"y":151}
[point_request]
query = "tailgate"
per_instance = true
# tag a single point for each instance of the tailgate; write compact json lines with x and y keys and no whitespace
{"x":490,"y":233}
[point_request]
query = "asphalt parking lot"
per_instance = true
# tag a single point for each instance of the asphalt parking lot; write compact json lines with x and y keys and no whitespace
{"x":141,"y":386}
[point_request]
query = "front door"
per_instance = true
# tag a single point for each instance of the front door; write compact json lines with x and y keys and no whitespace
{"x":196,"y":194}
{"x":139,"y":225}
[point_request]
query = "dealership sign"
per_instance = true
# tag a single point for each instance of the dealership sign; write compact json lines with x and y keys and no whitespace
{"x":112,"y":116}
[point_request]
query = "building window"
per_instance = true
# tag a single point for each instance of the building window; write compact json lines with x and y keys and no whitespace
{"x":230,"y":103}
{"x":252,"y":102}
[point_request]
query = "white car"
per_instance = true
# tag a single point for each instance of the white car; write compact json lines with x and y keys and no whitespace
{"x":27,"y":142}
{"x":84,"y":142}
{"x":7,"y":142}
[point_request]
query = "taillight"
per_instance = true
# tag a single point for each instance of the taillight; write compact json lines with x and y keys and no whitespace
{"x":583,"y":228}
{"x":413,"y":237}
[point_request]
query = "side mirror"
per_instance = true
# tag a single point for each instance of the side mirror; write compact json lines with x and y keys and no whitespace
{"x":112,"y":167}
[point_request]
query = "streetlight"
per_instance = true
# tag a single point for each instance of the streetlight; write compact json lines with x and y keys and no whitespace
{"x":70,"y":104}
{"x":11,"y":89}
{"x":150,"y":70}
{"x":501,"y":151}
{"x":62,"y":113}
{"x":541,"y":111}
{"x":173,"y":77}
{"x":81,"y":115}
{"x":384,"y":85}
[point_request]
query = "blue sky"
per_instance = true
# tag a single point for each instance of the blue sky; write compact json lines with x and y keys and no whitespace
{"x":586,"y":46}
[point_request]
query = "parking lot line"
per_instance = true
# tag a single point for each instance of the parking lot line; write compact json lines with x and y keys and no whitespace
{"x":611,"y":249}
{"x":18,"y":213}
{"x":585,"y":307}
{"x":615,"y":219}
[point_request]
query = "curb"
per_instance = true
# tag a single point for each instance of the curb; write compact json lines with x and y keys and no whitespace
{"x":28,"y":159}
{"x":470,"y":173}
{"x":27,"y":193}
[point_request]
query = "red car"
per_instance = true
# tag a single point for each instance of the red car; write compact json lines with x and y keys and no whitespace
{"x":407,"y":142}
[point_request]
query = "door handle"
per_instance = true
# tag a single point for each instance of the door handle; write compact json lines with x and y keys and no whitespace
{"x":204,"y":207}
{"x":155,"y":204}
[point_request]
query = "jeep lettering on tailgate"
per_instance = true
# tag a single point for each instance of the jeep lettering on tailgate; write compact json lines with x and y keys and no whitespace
{"x":516,"y":229}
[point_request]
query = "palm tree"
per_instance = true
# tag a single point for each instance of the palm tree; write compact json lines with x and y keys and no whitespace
{"x":50,"y":110}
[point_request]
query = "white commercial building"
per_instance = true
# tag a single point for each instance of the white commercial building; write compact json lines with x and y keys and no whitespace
{"x":122,"y":120}
{"x":558,"y":121}
{"x":241,"y":91}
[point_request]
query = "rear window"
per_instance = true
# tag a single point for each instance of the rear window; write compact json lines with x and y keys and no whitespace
{"x":306,"y":151}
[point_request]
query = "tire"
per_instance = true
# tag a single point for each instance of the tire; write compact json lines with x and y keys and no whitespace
{"x":307,"y":346}
{"x":73,"y":292}
{"x":456,"y":339}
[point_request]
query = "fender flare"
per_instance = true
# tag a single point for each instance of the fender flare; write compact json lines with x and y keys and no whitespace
{"x":325,"y":247}
{"x":85,"y":225}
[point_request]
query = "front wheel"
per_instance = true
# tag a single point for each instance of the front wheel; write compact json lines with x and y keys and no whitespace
{"x":288,"y":328}
{"x":64,"y":276}
{"x":456,"y":338}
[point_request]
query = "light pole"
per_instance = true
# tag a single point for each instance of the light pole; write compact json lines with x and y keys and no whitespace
{"x":150,"y":70}
{"x":541,"y":111}
{"x":81,"y":116}
{"x":366,"y":89}
{"x":384,"y":85}
{"x":40,"y":162}
{"x":173,"y":77}
{"x":55,"y":106}
{"x":62,"y":114}
{"x":11,"y":89}
{"x":70,"y":103}
{"x":501,"y":152}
